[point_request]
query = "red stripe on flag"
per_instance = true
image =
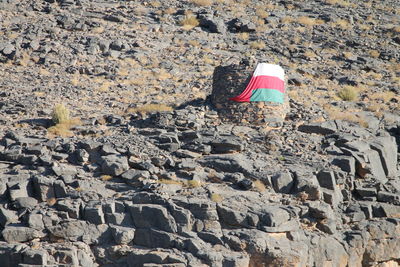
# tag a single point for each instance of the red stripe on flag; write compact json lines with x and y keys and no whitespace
{"x":269,"y":82}
{"x":257,"y":82}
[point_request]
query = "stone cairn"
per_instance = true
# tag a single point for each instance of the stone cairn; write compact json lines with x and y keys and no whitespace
{"x":230,"y":81}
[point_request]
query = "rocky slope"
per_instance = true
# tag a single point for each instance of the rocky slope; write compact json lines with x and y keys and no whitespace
{"x":150,"y":173}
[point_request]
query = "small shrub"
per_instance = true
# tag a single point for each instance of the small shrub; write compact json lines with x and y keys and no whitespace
{"x":149,"y":108}
{"x":259,"y":186}
{"x":155,"y":4}
{"x":170,"y":10}
{"x":51,"y":201}
{"x":257,"y":45}
{"x":342,"y":3}
{"x":302,"y":196}
{"x":193,"y":183}
{"x":63,"y":129}
{"x":208,"y":60}
{"x":202,"y":2}
{"x":216,"y":197}
{"x":262,"y":13}
{"x":374,"y":53}
{"x":194,"y":43}
{"x":342,"y":23}
{"x":385,"y":96}
{"x":106,"y":177}
{"x":63,"y":122}
{"x":60,"y":130}
{"x":306,"y":21}
{"x":162,"y":75}
{"x":287,"y":19}
{"x":243,"y":36}
{"x":75,"y":80}
{"x":60,"y":114}
{"x":189,"y":22}
{"x":348,"y":93}
{"x":104,"y":86}
{"x":169,"y":181}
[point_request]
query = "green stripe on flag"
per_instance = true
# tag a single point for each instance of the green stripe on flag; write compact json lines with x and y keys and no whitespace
{"x":270,"y":95}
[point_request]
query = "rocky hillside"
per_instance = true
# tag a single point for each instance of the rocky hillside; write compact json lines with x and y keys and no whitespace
{"x":113,"y":154}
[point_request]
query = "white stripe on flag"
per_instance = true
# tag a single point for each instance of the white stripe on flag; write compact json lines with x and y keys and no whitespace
{"x":269,"y":70}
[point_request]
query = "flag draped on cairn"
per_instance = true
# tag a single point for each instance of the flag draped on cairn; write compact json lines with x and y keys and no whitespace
{"x":257,"y":97}
{"x":267,"y":85}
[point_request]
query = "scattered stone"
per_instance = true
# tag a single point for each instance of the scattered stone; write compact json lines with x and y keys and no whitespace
{"x":283,"y":182}
{"x":327,"y":179}
{"x":43,"y":188}
{"x":152,"y":216}
{"x":346,"y":164}
{"x":122,"y":235}
{"x":20,"y":234}
{"x":227,"y":145}
{"x":114,"y":165}
{"x":7,"y":216}
{"x":245,"y":184}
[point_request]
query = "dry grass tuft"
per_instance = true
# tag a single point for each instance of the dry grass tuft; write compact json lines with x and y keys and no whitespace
{"x":259,"y":186}
{"x":287,"y":20}
{"x":168,"y":181}
{"x":216,"y":197}
{"x":193,"y":183}
{"x":257,"y":45}
{"x":51,"y":201}
{"x":243,"y":36}
{"x":337,"y":114}
{"x":150,"y":108}
{"x":25,"y":59}
{"x":202,"y":2}
{"x":342,"y":3}
{"x":75,"y":79}
{"x":170,"y":11}
{"x":61,"y":117}
{"x":194,"y":43}
{"x":162,"y":75}
{"x":189,"y":22}
{"x":348,"y":93}
{"x":307,"y":21}
{"x":385,"y":96}
{"x":302,"y":196}
{"x":63,"y":129}
{"x":374,"y":53}
{"x":341,"y":23}
{"x":44,"y":72}
{"x":104,"y":87}
{"x":262,"y":13}
{"x":60,"y":114}
{"x":106,"y":177}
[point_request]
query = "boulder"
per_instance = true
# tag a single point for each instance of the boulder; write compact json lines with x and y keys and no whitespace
{"x":324,"y":128}
{"x":283,"y":182}
{"x":387,"y":149}
{"x":7,"y":216}
{"x":228,"y":163}
{"x":19,"y":234}
{"x":122,"y":235}
{"x":43,"y":188}
{"x":327,"y":179}
{"x":227,"y":145}
{"x":152,"y":216}
{"x":345,"y":163}
{"x":114,"y":164}
{"x":35,"y":257}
